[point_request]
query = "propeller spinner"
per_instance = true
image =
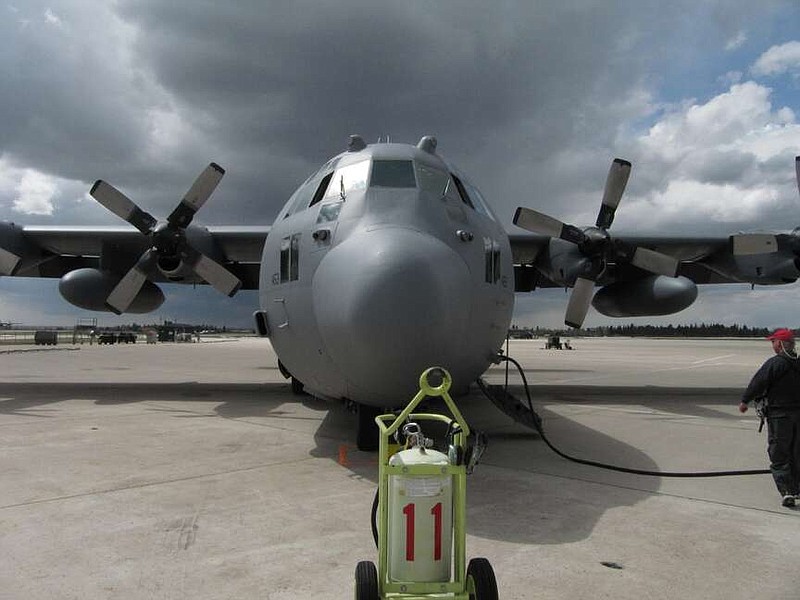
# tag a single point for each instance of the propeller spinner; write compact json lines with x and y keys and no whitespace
{"x":596,"y":244}
{"x":168,"y":239}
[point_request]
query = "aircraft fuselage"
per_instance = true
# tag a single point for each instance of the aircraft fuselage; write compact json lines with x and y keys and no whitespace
{"x":383,"y":263}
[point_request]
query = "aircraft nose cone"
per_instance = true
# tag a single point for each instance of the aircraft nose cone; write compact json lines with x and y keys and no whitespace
{"x":391,"y":301}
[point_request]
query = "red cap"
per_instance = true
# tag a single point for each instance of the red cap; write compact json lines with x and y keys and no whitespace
{"x":783,"y":335}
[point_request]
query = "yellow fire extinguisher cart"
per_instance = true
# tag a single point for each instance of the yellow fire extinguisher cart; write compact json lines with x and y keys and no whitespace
{"x":421,"y":517}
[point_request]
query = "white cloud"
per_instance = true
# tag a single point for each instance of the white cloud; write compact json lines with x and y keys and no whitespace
{"x":736,"y":41}
{"x":685,"y":200}
{"x":35,"y":192}
{"x":32,"y":192}
{"x":730,"y":78}
{"x":52,"y":18}
{"x":721,"y":122}
{"x":725,"y":161}
{"x":778,"y":60}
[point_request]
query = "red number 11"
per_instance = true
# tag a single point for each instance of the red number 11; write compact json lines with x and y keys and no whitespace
{"x":436,"y":511}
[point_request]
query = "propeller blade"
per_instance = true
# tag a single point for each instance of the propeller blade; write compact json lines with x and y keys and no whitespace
{"x":201,"y":190}
{"x":579,"y":301}
{"x":754,"y":243}
{"x":541,"y":223}
{"x":537,"y":222}
{"x":122,"y":206}
{"x":615,"y":185}
{"x":214,"y":273}
{"x":655,"y":262}
{"x":797,"y":171}
{"x":128,"y":287}
{"x":8,"y":262}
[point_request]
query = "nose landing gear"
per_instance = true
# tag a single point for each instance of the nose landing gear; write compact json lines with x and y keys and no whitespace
{"x":367,"y":433}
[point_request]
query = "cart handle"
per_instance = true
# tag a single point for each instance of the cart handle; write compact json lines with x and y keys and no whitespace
{"x":438,"y":390}
{"x":425,"y":389}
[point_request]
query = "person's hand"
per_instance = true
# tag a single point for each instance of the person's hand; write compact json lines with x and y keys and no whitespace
{"x":742,"y":407}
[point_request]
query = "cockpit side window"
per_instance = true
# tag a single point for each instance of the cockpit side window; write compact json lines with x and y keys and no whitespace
{"x":306,"y":192}
{"x":471,"y":196}
{"x":289,"y":208}
{"x":299,"y":200}
{"x":323,"y":185}
{"x":478,"y":201}
{"x":393,"y":174}
{"x":463,"y":192}
{"x":432,"y":180}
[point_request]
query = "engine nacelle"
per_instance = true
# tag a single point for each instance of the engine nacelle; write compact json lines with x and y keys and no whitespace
{"x":173,"y":268}
{"x":89,"y":288}
{"x":563,"y":263}
{"x":768,"y":269}
{"x":652,"y":296}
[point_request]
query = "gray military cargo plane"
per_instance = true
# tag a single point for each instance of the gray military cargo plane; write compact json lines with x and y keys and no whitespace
{"x":386,"y":261}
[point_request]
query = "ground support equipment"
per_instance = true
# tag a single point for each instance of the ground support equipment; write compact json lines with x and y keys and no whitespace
{"x":422,"y":509}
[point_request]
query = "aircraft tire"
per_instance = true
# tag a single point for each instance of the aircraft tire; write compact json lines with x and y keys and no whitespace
{"x":481,"y":582}
{"x":297,"y":387}
{"x":367,"y":434}
{"x":366,"y":581}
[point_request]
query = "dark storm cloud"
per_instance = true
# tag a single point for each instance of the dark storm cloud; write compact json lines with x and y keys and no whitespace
{"x":66,"y":97}
{"x":502,"y":85}
{"x":270,"y":90}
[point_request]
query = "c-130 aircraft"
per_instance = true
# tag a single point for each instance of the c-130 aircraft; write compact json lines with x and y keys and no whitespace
{"x":384,"y":262}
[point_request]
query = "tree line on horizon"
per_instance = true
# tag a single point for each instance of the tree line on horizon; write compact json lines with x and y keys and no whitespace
{"x":631,"y":330}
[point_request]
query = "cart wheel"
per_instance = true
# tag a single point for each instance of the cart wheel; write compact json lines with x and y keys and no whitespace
{"x":481,"y":583}
{"x":367,"y":581}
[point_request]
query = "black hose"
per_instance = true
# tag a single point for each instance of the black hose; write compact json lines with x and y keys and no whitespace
{"x":599,"y":465}
{"x":374,"y":519}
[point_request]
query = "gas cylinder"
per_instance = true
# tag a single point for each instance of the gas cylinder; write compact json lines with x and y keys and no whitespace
{"x":420,"y":514}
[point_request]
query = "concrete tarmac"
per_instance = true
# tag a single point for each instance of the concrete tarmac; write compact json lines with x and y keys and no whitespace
{"x":191,"y":471}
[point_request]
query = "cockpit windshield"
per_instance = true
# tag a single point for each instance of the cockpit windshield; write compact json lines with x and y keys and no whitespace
{"x":393,"y":174}
{"x":335,"y":184}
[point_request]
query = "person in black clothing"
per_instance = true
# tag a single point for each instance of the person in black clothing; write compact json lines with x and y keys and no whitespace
{"x":778,"y":380}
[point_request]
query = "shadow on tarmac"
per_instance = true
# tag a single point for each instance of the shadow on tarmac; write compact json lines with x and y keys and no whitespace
{"x":691,"y":402}
{"x":505,"y":502}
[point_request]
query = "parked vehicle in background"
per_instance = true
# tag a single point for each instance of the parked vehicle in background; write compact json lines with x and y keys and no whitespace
{"x":45,"y":338}
{"x":126,"y":337}
{"x":107,"y":338}
{"x":553,"y":341}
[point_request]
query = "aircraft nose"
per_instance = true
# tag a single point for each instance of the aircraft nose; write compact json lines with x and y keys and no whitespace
{"x":393,"y":301}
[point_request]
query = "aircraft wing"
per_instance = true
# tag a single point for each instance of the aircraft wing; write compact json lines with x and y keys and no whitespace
{"x":704,"y":260}
{"x":641,"y":276}
{"x":53,"y":251}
